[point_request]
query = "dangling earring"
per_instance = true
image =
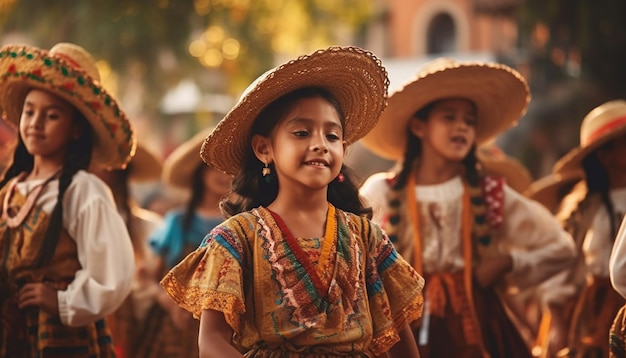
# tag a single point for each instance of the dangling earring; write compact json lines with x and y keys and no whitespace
{"x":267,"y":173}
{"x":341,"y":177}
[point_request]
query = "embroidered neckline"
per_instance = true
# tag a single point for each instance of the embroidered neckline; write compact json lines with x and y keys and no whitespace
{"x":320,"y":275}
{"x":31,"y":198}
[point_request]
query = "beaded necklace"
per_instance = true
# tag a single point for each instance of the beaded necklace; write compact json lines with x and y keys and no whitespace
{"x":16,"y":220}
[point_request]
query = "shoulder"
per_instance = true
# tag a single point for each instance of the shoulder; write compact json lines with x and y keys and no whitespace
{"x":359,"y":223}
{"x":87,"y":188}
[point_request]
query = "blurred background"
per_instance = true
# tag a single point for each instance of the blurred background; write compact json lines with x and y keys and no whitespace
{"x":178,"y":66}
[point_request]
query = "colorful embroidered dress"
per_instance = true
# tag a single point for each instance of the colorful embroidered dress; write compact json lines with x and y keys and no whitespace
{"x":295,"y":297}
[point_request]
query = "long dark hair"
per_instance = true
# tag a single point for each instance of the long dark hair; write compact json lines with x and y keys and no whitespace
{"x":413,"y":152}
{"x":77,"y":157}
{"x":197,"y":195}
{"x":249,"y":187}
{"x":597,"y":178}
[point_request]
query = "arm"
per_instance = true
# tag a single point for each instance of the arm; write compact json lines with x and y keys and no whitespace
{"x":106,"y":256}
{"x":538,"y":246}
{"x":617,"y":263}
{"x":406,"y":347}
{"x":214,"y":338}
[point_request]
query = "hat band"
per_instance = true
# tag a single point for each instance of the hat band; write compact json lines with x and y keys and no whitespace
{"x":68,"y":59}
{"x":603,"y":130}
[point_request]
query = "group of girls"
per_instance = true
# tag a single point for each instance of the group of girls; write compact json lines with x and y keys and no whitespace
{"x":279,"y":252}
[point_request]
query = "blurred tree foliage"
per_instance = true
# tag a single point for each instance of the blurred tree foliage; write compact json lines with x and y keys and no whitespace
{"x":150,"y":39}
{"x":577,"y":38}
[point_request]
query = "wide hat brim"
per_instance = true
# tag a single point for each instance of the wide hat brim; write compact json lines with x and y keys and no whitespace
{"x":23,"y":68}
{"x":548,"y":190}
{"x":501,"y":96}
{"x":145,"y":166}
{"x":179,"y":166}
{"x":355,"y":77}
{"x":612,"y":118}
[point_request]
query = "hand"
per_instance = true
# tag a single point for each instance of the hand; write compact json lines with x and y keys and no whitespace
{"x":489,"y":270}
{"x":39,"y":295}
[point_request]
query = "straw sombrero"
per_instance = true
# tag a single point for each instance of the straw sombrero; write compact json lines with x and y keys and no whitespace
{"x":355,"y":77}
{"x":550,"y":189}
{"x":603,"y":124}
{"x":145,"y":165}
{"x":179,"y":166}
{"x":500,"y":94}
{"x":69,"y":72}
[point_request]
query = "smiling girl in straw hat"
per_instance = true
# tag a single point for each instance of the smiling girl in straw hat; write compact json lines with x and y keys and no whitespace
{"x":67,"y":260}
{"x":591,"y":213}
{"x":298,"y":270}
{"x":463,"y":230}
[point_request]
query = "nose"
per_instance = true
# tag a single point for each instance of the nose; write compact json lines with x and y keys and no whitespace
{"x":319,"y":144}
{"x":36,"y":121}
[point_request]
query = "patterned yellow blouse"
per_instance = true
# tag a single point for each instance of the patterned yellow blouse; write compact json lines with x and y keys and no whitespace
{"x":280,"y":303}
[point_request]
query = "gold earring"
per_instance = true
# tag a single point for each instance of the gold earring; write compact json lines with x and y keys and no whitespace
{"x":266,"y":170}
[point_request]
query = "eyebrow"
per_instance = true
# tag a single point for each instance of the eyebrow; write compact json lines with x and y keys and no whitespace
{"x":52,"y":106}
{"x":304,"y":120}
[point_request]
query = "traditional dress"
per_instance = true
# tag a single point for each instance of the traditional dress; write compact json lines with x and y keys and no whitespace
{"x":598,"y":303}
{"x":460,"y":318}
{"x":91,"y":268}
{"x":345,"y":294}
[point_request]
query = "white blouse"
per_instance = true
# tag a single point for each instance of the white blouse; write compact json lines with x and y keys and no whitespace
{"x":599,"y":239}
{"x":617,"y":262}
{"x":539,"y":247}
{"x":104,"y":248}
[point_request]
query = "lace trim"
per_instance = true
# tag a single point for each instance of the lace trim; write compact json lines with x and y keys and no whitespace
{"x":195,"y":300}
{"x":387,"y":338}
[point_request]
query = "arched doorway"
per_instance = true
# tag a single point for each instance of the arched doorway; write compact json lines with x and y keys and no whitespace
{"x":441,"y":35}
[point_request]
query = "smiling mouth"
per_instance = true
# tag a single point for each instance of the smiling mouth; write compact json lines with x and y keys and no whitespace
{"x":317,"y":164}
{"x":459,"y":140}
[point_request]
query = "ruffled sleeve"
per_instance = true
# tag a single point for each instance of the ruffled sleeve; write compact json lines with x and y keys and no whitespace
{"x":394,"y":288}
{"x":212,"y":276}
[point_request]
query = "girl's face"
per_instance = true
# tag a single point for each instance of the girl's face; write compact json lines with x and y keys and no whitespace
{"x":613,"y":157}
{"x":307,"y":146}
{"x":216,"y":182}
{"x":47,"y":125}
{"x":449,"y":131}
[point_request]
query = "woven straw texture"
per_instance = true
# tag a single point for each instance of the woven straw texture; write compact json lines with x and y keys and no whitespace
{"x":69,"y":72}
{"x":355,"y":77}
{"x":500,"y":93}
{"x":179,"y":166}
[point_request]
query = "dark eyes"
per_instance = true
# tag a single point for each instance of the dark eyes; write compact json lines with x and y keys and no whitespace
{"x":330,"y":136}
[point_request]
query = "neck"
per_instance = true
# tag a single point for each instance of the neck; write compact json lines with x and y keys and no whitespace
{"x":44,"y":168}
{"x":210,"y":205}
{"x":435,"y":170}
{"x":302,"y":202}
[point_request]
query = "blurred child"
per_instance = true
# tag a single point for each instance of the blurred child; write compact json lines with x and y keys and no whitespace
{"x":67,"y":259}
{"x":468,"y":233}
{"x":128,"y":322}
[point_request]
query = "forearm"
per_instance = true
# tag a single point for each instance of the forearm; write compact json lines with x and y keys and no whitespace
{"x":406,"y":347}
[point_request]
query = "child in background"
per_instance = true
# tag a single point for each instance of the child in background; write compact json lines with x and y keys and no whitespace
{"x":67,"y":259}
{"x":128,"y":322}
{"x":466,"y":232}
{"x":298,"y":270}
{"x":582,"y":297}
{"x":171,"y":330}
